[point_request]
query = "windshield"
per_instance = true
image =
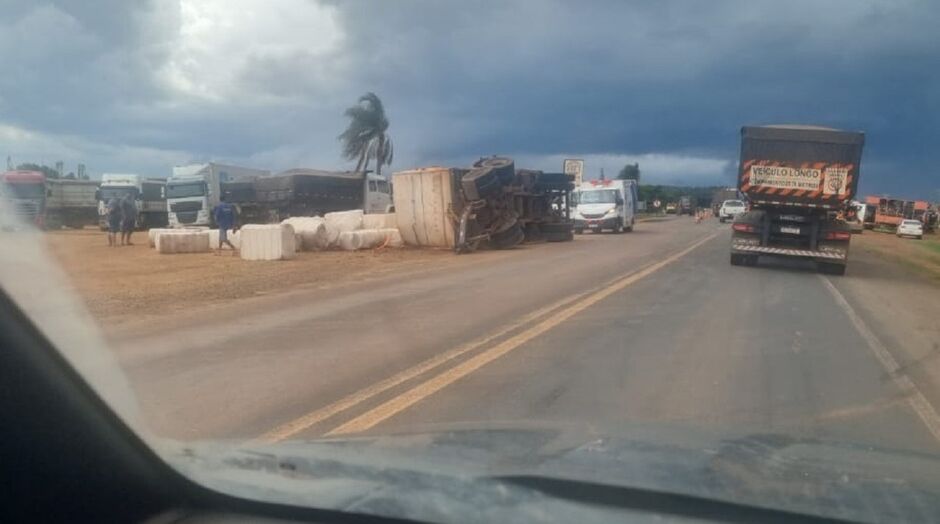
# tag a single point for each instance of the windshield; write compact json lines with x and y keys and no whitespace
{"x":107,"y":193}
{"x":428,"y":251}
{"x":30,"y":191}
{"x":604,"y":196}
{"x":184,"y":190}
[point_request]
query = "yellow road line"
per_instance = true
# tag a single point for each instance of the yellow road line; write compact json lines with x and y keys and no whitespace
{"x":916,"y":399}
{"x":433,"y":385}
{"x":302,"y":423}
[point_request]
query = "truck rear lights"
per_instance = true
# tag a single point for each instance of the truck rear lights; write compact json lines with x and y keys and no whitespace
{"x":837,"y":235}
{"x":744,"y":228}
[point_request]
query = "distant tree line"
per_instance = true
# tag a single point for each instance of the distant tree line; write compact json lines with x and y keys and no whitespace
{"x":701,"y":195}
{"x":50,"y":172}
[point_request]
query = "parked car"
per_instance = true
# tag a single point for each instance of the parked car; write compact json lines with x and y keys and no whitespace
{"x":730,"y":209}
{"x":671,"y":208}
{"x":911,"y":228}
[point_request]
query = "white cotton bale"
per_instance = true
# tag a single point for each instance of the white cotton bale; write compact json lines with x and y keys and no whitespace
{"x":182,"y":241}
{"x":311,"y":232}
{"x":153,"y":232}
{"x":369,"y":238}
{"x":340,"y":222}
{"x":267,"y":242}
{"x":380,"y":221}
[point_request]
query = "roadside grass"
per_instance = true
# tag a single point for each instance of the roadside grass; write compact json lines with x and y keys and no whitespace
{"x":922,"y":256}
{"x":931,"y":244}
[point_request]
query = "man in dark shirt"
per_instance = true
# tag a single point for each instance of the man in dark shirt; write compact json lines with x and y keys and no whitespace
{"x":115,"y":220}
{"x":129,"y":211}
{"x":225,"y":215}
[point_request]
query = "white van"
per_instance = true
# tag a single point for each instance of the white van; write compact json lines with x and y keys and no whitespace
{"x":605,"y":204}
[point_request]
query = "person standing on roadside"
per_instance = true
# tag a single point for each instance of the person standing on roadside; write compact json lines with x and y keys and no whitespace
{"x":129,"y":212}
{"x":225,"y":215}
{"x":115,"y":220}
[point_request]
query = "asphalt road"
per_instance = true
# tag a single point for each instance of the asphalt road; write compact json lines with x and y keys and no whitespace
{"x":652,"y":326}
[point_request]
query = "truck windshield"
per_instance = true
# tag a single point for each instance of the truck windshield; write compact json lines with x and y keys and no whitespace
{"x":603,"y":196}
{"x":186,"y":189}
{"x":107,"y":193}
{"x":24,"y":190}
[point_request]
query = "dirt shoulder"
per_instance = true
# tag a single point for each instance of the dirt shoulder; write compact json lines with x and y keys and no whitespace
{"x":133,"y":282}
{"x":894,"y":284}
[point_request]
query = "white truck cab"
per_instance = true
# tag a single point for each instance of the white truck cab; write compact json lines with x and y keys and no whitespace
{"x":192,"y":192}
{"x":605,"y":204}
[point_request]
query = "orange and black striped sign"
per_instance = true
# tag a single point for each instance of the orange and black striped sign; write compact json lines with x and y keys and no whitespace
{"x":824,"y":181}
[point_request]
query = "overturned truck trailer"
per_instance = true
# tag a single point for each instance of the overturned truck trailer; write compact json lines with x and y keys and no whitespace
{"x":489,"y":205}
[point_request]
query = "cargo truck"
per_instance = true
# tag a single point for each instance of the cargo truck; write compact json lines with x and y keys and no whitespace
{"x":311,"y":192}
{"x":72,"y":203}
{"x":799,"y":180}
{"x":193,"y":190}
{"x":149,"y":195}
{"x":685,"y":206}
{"x":24,"y":198}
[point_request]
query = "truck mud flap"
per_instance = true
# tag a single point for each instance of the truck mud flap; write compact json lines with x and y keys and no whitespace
{"x":557,"y":232}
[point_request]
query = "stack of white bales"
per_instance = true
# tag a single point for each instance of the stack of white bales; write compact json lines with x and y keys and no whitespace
{"x":310,"y":233}
{"x":358,"y":231}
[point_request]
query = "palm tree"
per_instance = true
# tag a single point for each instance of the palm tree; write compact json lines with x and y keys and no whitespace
{"x":366,"y":136}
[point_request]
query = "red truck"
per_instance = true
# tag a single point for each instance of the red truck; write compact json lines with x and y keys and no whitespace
{"x":799,"y":181}
{"x":24,"y":197}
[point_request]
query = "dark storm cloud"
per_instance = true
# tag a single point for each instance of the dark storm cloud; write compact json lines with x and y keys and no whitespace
{"x":535,"y":79}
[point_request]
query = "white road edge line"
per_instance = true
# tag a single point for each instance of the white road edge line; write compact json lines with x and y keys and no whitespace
{"x":918,"y":402}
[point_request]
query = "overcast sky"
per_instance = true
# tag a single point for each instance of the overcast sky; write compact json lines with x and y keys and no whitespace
{"x":141,"y":86}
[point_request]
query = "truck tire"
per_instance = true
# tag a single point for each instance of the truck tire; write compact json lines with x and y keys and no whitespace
{"x":480,"y":183}
{"x":507,"y":239}
{"x":829,"y":268}
{"x":502,"y":167}
{"x":558,"y":232}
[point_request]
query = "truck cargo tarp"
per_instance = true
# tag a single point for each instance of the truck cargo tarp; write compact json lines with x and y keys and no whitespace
{"x":303,"y":192}
{"x":799,"y":165}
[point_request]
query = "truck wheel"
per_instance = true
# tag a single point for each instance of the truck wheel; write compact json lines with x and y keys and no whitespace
{"x":830,"y":268}
{"x":502,"y":167}
{"x":480,"y":183}
{"x":507,"y":239}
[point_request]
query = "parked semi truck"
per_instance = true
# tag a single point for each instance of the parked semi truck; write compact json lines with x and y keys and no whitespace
{"x":24,"y":198}
{"x":605,"y":204}
{"x":29,"y":198}
{"x":193,"y":191}
{"x":71,"y":203}
{"x":148,"y":193}
{"x":799,"y":180}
